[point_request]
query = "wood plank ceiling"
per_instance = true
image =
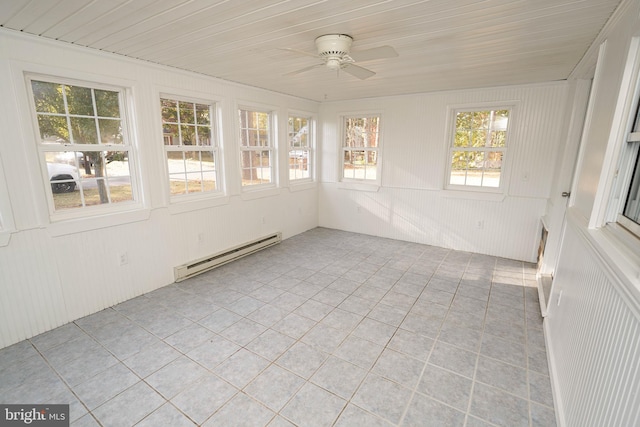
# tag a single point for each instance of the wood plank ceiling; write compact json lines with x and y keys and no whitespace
{"x":442,"y":44}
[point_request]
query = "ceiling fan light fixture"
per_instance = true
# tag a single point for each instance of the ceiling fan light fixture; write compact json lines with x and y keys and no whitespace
{"x":333,"y":63}
{"x":334,"y":45}
{"x":334,"y":51}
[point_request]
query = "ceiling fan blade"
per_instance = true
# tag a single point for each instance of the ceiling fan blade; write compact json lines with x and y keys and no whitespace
{"x":302,"y":70}
{"x":301,"y":52}
{"x":357,"y":71}
{"x":374,"y":53}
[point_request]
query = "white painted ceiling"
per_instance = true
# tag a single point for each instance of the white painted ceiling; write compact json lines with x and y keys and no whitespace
{"x":442,"y":44}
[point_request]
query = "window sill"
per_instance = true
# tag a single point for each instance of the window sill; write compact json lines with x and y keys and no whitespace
{"x":473,"y":195}
{"x":302,"y":186}
{"x":258,"y":193}
{"x":79,"y":225}
{"x":622,"y":251}
{"x":179,"y":206}
{"x":372,"y":187}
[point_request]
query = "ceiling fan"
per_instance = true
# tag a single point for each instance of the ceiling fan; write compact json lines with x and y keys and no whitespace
{"x":334,"y":51}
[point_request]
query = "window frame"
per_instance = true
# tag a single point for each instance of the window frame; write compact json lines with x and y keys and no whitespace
{"x":129,"y":145}
{"x":215,"y":148}
{"x":629,"y":167}
{"x":629,"y":149}
{"x":453,"y":112}
{"x":344,"y":148}
{"x":310,"y":147}
{"x":272,"y":148}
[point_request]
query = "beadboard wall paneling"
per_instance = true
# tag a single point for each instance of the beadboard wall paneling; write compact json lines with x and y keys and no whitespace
{"x":506,"y":229}
{"x":414,"y":156}
{"x":593,"y":336}
{"x":32,"y":300}
{"x":48,"y":277}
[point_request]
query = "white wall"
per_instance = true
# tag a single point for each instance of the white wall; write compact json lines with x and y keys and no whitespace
{"x":51,"y":274}
{"x":593,"y":323}
{"x":411,"y":203}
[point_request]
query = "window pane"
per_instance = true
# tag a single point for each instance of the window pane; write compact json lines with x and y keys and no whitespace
{"x":192,"y":161}
{"x":170,"y":134}
{"x":204,"y":135}
{"x":298,"y":132}
{"x":194,"y":182}
{"x":208,"y":171}
{"x":53,"y":129}
{"x":84,"y":130}
{"x":361,"y":132}
{"x":264,"y":169}
{"x":493,"y":167}
{"x":498,"y":138}
{"x":208,"y":161}
{"x":255,"y":167}
{"x":459,"y":166}
{"x":202,"y":114}
{"x":103,"y":178}
{"x":632,"y":204}
{"x":475,"y":169}
{"x":479,"y":138}
{"x":110,"y":131}
{"x":355,"y":164}
{"x":80,"y":101}
{"x":254,"y":128}
{"x":299,"y":164}
{"x":188,"y":135}
{"x":186,"y":112}
{"x":67,"y":200}
{"x":248,"y":172}
{"x":177,"y":184}
{"x":63,"y":172}
{"x":107,"y":103}
{"x":169,"y":110}
{"x":48,"y":97}
{"x":479,"y":120}
{"x":463,"y":138}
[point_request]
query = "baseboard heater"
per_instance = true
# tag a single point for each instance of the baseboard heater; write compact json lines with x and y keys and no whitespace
{"x":201,"y":265}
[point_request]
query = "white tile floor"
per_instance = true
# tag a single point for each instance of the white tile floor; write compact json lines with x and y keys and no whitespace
{"x":327,"y":328}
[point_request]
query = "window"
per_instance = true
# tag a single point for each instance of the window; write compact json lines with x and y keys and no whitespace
{"x":84,"y":147}
{"x":300,"y":146}
{"x":478,"y":147}
{"x":629,"y":216}
{"x":191,"y":149}
{"x":256,"y":147}
{"x":360,"y":148}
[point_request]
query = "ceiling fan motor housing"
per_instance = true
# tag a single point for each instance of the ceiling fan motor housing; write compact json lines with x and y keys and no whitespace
{"x":333,"y":47}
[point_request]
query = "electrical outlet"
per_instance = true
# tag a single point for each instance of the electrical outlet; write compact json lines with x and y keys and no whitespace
{"x":264,"y":220}
{"x":123,"y":258}
{"x":200,"y":238}
{"x":480,"y":223}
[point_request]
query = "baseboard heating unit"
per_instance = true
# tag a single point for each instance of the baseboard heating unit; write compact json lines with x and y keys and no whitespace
{"x":201,"y":265}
